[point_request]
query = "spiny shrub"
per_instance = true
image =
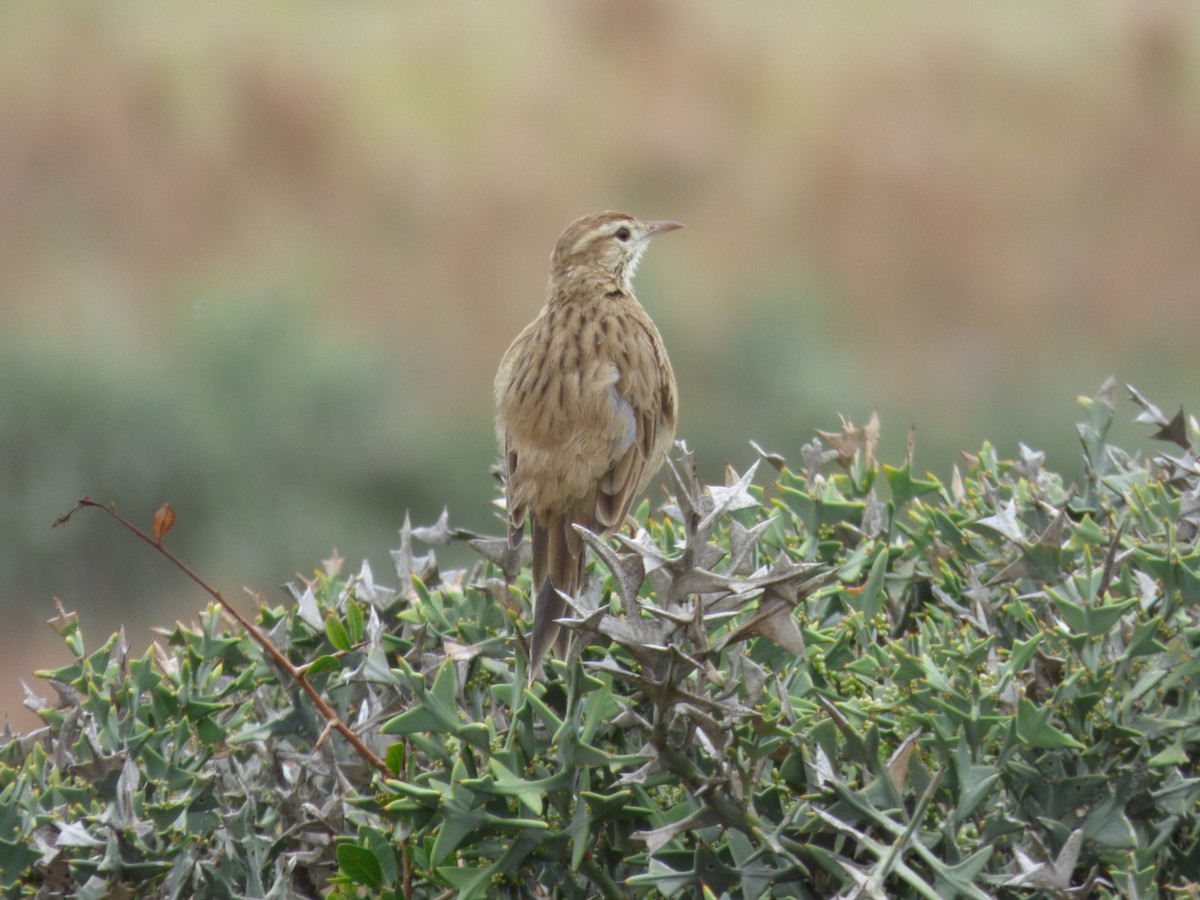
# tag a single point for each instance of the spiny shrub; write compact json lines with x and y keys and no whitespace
{"x":843,"y":681}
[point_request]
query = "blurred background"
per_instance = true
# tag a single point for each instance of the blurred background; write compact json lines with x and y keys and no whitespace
{"x":261,"y":260}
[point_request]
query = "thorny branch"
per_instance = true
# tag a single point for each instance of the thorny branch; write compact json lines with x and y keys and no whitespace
{"x":296,"y":673}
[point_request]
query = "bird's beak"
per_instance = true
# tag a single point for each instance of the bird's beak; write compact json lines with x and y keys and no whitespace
{"x":653,"y":228}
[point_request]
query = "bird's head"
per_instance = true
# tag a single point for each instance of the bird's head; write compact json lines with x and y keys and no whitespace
{"x":606,"y":243}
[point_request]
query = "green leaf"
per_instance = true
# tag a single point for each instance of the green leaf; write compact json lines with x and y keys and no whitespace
{"x":467,"y":881}
{"x":850,"y":571}
{"x":16,"y":860}
{"x":528,"y":794}
{"x":976,"y":783}
{"x":867,"y":601}
{"x":1144,"y":641}
{"x":396,"y":755}
{"x":437,"y":710}
{"x":322,"y":664}
{"x":1022,"y":653}
{"x":1034,"y":728}
{"x":550,"y":720}
{"x":963,"y":877}
{"x":380,"y":843}
{"x":355,"y":622}
{"x":360,"y":865}
{"x":1108,"y":825}
{"x":337,"y":634}
{"x":1173,"y":755}
{"x":904,"y":487}
{"x":1093,"y":621}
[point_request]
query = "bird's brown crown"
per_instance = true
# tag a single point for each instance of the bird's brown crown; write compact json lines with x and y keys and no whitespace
{"x":607,"y":244}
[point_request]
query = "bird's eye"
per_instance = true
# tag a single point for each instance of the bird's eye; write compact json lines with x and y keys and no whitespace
{"x":622,"y":234}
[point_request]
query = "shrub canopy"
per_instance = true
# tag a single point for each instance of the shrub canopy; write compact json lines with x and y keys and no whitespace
{"x":840,"y":679}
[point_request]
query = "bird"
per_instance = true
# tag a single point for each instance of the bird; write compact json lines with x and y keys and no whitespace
{"x":586,"y":405}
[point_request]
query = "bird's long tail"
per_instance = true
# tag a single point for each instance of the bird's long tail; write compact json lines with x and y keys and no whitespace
{"x":558,"y":559}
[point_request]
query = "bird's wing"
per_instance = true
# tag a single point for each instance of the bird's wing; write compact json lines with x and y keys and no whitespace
{"x":513,"y":381}
{"x":638,"y":397}
{"x":618,"y":486}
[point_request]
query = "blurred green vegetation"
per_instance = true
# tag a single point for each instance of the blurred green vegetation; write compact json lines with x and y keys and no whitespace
{"x":273,"y":440}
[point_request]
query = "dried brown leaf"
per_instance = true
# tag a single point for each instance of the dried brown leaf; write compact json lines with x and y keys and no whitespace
{"x":164,"y":518}
{"x":62,"y":619}
{"x":897,"y":764}
{"x":852,"y":440}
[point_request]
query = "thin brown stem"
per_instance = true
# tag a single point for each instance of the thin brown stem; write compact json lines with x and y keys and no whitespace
{"x":253,"y":630}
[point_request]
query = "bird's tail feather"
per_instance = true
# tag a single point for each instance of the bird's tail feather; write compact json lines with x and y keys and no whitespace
{"x":558,"y":560}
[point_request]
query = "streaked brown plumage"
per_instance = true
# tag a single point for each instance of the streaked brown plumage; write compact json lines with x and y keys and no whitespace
{"x":585,"y":401}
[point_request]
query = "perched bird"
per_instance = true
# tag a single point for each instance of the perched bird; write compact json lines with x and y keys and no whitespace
{"x":585,"y":401}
